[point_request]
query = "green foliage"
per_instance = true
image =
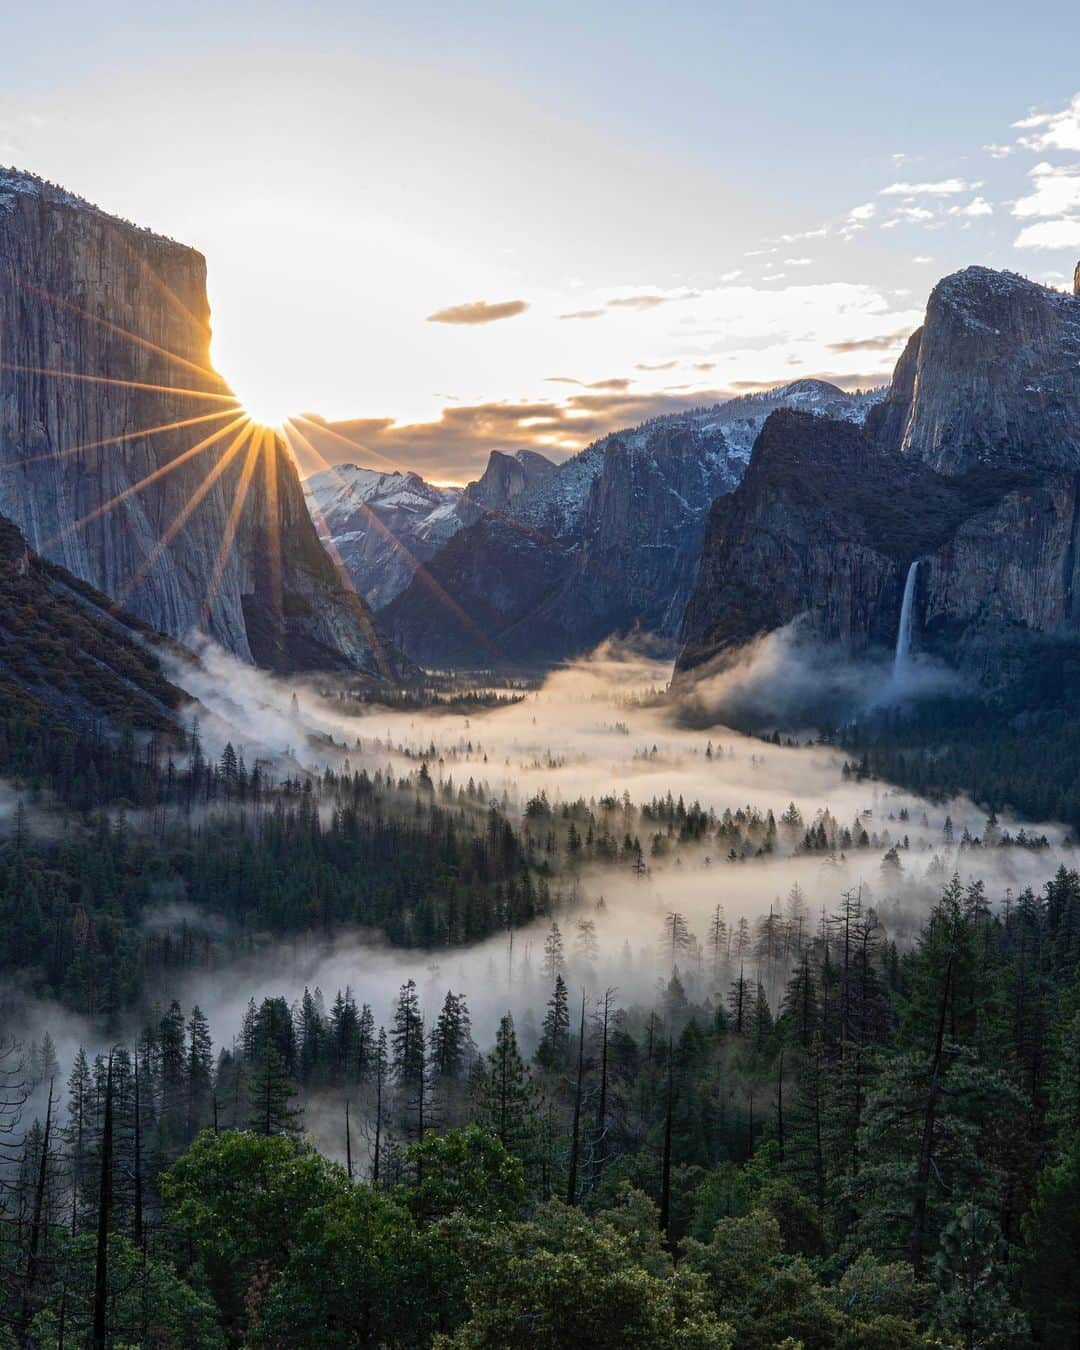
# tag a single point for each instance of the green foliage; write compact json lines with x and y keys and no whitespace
{"x":1051,"y":1260}
{"x":466,"y":1172}
{"x":150,"y":1306}
{"x":564,"y":1279}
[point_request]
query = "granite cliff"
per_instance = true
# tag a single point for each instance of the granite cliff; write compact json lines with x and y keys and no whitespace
{"x":104,"y":350}
{"x":970,"y":466}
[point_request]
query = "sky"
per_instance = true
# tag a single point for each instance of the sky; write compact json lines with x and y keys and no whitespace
{"x":474,"y":227}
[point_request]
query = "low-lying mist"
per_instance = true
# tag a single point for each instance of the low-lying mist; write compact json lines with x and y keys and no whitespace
{"x":746,"y":840}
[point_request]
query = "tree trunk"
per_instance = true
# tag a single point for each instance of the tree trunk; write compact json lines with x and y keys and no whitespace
{"x":665,"y":1164}
{"x":101,"y":1272}
{"x":571,"y":1182}
{"x":926,"y":1151}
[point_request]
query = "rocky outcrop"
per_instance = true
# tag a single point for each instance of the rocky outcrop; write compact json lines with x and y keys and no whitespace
{"x":125,"y":458}
{"x":971,"y":466}
{"x":990,"y":378}
{"x":506,"y":477}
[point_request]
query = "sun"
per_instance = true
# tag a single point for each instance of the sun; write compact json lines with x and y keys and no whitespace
{"x":267,"y":408}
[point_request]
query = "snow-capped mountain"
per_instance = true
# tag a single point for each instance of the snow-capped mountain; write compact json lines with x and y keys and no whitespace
{"x":382,"y":525}
{"x":605,"y":543}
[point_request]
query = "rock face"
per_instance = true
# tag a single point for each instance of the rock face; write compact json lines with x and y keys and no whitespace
{"x":990,"y":378}
{"x":104,"y":349}
{"x":506,"y":477}
{"x":971,"y":465}
{"x":604,"y":544}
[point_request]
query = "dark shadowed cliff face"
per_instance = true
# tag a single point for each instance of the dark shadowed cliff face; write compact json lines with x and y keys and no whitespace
{"x":104,"y":346}
{"x":971,"y":466}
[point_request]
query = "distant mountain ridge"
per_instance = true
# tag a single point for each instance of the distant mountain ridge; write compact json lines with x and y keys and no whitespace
{"x":605,"y":543}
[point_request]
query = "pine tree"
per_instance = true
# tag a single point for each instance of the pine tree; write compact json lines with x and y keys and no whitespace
{"x":506,"y":1097}
{"x":555,"y":1032}
{"x":554,"y":962}
{"x":270,"y":1095}
{"x":451,"y":1039}
{"x":407,"y":1039}
{"x":200,"y":1071}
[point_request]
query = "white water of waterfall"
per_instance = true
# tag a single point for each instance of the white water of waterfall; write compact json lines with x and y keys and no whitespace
{"x":903,"y":634}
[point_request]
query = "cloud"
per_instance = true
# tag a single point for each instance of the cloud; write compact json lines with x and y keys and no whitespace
{"x":657,"y":365}
{"x":479,"y":311}
{"x":922,"y":258}
{"x":733,"y":275}
{"x":584,"y":314}
{"x":978,"y":206}
{"x":650,"y":299}
{"x":944,"y":187}
{"x":1055,"y":204}
{"x":619,"y":383}
{"x":797,"y":262}
{"x":1049,"y":234}
{"x":1057,"y":192}
{"x":1053,"y":131}
{"x":856,"y":219}
{"x":819,"y":233}
{"x":881,"y":343}
{"x":998,"y":151}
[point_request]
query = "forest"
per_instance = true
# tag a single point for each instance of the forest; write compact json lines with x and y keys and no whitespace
{"x":616,"y":1096}
{"x":890,"y":1158}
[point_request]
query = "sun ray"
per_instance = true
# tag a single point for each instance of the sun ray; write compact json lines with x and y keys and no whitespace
{"x":145,"y":482}
{"x":185,"y":512}
{"x":527,"y":530}
{"x":360,"y":446}
{"x":126,"y":436}
{"x":360,"y":606}
{"x":420,"y":571}
{"x":121,"y":332}
{"x":273,"y":537}
{"x":258,"y":443}
{"x":123,"y":384}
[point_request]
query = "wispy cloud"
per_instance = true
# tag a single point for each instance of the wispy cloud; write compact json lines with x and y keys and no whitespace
{"x":479,"y":311}
{"x":943,"y":187}
{"x":883,"y":342}
{"x":1053,"y":131}
{"x":656,"y":365}
{"x":583,"y":314}
{"x":650,"y":299}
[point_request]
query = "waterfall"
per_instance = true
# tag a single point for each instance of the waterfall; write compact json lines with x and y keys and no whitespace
{"x":903,"y":634}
